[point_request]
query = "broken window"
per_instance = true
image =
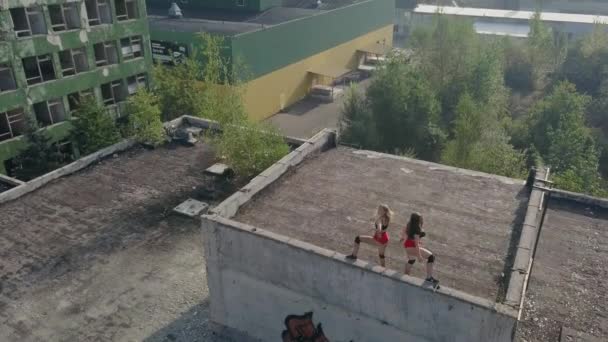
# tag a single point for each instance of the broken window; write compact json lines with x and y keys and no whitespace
{"x":98,"y":12}
{"x":28,"y":21}
{"x":49,"y":112}
{"x":105,"y":53}
{"x":126,"y":9}
{"x":64,"y":16}
{"x":74,"y":99}
{"x":73,"y":61}
{"x":12,"y":123}
{"x":7,"y":79}
{"x":131,"y":47}
{"x":113,"y":92}
{"x":136,"y":82}
{"x":38,"y":69}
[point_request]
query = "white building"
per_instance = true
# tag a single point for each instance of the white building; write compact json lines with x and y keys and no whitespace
{"x":511,"y":23}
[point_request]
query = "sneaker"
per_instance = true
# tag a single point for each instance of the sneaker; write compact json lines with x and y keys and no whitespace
{"x":432,"y":280}
{"x":351,"y":257}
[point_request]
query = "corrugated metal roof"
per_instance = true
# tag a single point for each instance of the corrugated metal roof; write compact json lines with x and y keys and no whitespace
{"x":506,"y":14}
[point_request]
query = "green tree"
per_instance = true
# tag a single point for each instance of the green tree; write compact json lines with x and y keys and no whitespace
{"x":446,"y":53}
{"x":145,"y":118}
{"x":586,"y":64}
{"x":481,"y":143}
{"x":249,"y":148}
{"x":207,"y":85}
{"x":545,"y":51}
{"x":405,"y":111}
{"x":180,"y":88}
{"x":39,"y":155}
{"x":559,"y":133}
{"x":93,"y":127}
{"x":357,"y":126}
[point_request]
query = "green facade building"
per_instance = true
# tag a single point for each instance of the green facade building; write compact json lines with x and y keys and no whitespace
{"x":53,"y":52}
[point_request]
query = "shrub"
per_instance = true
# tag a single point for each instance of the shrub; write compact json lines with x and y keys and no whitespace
{"x":249,"y":148}
{"x":93,"y":127}
{"x":145,"y":118}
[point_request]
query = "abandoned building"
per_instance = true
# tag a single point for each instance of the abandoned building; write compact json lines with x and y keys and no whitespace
{"x":287,"y":48}
{"x":515,"y":259}
{"x":53,"y":53}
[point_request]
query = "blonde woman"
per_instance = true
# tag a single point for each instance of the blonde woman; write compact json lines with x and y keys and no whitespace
{"x":380,"y":237}
{"x":412,"y":236}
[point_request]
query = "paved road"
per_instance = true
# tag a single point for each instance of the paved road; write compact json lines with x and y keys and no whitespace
{"x":307,"y":117}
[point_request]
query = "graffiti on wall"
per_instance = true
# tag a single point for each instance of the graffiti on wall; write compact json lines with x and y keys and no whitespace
{"x":302,"y":329}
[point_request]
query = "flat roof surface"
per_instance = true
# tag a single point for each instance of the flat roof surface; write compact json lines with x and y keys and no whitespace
{"x":99,"y":256}
{"x":502,"y":29}
{"x":469,"y":216}
{"x":508,"y":14}
{"x":569,"y":281}
{"x":232,"y":23}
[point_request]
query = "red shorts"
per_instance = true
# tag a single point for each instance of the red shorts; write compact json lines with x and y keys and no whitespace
{"x":381,"y":238}
{"x":409,"y":243}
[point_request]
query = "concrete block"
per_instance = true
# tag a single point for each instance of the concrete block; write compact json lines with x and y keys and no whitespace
{"x":191,"y":208}
{"x":218,"y":169}
{"x":274,"y":172}
{"x":514,"y":291}
{"x":522,"y":260}
{"x":529,"y":235}
{"x":532,"y":216}
{"x":292,"y":159}
{"x":256,"y":185}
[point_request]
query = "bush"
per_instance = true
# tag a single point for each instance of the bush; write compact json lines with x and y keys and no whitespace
{"x":249,"y":148}
{"x":39,"y":156}
{"x":93,"y":128}
{"x":144,"y":118}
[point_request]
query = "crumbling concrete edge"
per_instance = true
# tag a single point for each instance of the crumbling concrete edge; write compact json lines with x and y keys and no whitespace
{"x":318,"y":143}
{"x":499,"y":308}
{"x":579,"y":198}
{"x":10,"y":180}
{"x":78,"y":165}
{"x":524,"y":252}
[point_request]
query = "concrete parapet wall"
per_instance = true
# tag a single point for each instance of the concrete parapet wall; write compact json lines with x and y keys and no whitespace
{"x":80,"y":164}
{"x":257,"y":278}
{"x":580,"y":198}
{"x":318,"y":143}
{"x":524,"y":251}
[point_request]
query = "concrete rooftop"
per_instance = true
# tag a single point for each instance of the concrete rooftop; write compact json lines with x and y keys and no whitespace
{"x":470,"y":217}
{"x":232,"y":23}
{"x":99,"y":256}
{"x":569,"y":280}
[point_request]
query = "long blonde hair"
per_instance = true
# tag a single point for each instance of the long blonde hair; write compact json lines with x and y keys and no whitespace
{"x":385,"y":216}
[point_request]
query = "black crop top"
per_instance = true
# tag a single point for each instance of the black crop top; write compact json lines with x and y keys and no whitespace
{"x":384,"y":227}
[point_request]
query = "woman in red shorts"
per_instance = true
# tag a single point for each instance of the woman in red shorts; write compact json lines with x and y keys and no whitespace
{"x":412,"y":234}
{"x":380,"y":237}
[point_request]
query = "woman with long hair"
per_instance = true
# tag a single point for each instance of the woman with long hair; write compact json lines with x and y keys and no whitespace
{"x":412,"y":235}
{"x":380,"y":237}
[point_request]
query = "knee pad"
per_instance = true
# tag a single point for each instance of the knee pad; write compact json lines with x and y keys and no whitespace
{"x":431,"y":259}
{"x":381,"y":256}
{"x":357,"y":239}
{"x":412,"y":261}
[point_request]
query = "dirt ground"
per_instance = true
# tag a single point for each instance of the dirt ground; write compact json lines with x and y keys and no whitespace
{"x":569,"y":281}
{"x":98,"y":255}
{"x":470,"y":219}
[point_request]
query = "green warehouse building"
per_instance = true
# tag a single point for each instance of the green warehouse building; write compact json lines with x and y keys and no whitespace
{"x":287,"y":46}
{"x":52,"y":52}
